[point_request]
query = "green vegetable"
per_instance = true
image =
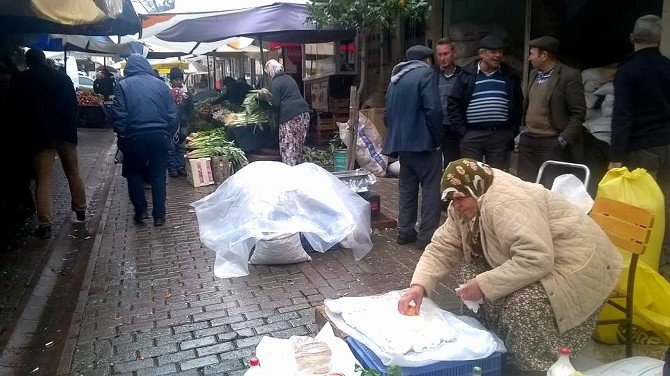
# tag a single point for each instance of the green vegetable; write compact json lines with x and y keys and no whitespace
{"x":391,"y":371}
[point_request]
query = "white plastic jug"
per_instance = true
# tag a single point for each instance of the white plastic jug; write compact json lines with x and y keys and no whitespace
{"x":562,"y":367}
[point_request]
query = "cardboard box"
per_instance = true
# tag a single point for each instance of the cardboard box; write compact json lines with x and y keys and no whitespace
{"x":199,"y":171}
{"x":377,"y":117}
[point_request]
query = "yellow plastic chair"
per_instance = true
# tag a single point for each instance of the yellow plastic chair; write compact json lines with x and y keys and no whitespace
{"x":628,"y":227}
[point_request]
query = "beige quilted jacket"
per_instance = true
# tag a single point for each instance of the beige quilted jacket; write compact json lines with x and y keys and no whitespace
{"x":530,"y":234}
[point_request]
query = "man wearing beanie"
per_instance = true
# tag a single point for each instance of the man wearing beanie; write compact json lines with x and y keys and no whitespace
{"x":554,"y":111}
{"x":413,"y":116}
{"x":484,"y":106}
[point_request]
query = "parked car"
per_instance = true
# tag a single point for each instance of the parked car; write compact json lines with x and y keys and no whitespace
{"x":85,"y":83}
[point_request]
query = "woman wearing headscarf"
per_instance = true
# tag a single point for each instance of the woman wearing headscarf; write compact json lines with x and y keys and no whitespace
{"x":542,"y":267}
{"x":293,"y":113}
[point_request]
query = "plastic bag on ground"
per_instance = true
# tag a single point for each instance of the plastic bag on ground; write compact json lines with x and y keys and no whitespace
{"x":271,"y":198}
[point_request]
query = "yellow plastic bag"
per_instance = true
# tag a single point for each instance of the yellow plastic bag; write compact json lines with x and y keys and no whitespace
{"x":651,"y":310}
{"x":640,"y":189}
{"x":651,"y":299}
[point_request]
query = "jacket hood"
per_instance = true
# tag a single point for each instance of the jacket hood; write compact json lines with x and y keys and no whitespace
{"x":404,"y":67}
{"x":137,"y":64}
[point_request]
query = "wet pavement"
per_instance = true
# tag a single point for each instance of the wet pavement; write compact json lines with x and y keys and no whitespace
{"x":112,"y":297}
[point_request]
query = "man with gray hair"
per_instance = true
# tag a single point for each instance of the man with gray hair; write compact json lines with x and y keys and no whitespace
{"x":641,"y":117}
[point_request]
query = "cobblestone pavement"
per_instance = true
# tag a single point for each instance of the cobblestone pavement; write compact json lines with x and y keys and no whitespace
{"x":147,"y":301}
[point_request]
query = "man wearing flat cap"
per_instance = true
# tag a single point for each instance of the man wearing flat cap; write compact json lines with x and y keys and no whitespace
{"x":554,"y":112}
{"x":413,"y":117}
{"x":485,"y":106}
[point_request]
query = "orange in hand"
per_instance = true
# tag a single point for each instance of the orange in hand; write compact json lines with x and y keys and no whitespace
{"x":411,"y":311}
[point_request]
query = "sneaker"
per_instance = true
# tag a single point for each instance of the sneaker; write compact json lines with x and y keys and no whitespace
{"x":141,"y":217}
{"x":159,"y":221}
{"x":181,"y":171}
{"x":405,"y":239}
{"x":81,"y":215}
{"x":43,"y":232}
{"x":173,"y":173}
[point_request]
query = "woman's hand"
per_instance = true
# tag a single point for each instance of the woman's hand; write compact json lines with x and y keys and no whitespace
{"x":415,"y":294}
{"x":470,"y":291}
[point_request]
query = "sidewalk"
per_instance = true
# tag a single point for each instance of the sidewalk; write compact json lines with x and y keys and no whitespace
{"x":144,"y":299}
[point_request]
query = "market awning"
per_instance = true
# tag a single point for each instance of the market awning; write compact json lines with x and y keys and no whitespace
{"x":279,"y":22}
{"x":77,"y":17}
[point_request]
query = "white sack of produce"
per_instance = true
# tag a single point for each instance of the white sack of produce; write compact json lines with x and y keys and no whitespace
{"x":268,"y":198}
{"x":368,"y":146}
{"x":607,"y":107}
{"x":278,"y":250}
{"x":411,"y":341}
{"x":606,"y":89}
{"x":600,"y":128}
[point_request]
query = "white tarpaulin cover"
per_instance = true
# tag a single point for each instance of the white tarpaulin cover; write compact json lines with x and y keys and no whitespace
{"x":268,"y":198}
{"x":454,"y":337}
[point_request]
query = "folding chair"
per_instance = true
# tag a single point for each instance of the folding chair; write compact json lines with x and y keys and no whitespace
{"x":544,"y":165}
{"x":628,"y":227}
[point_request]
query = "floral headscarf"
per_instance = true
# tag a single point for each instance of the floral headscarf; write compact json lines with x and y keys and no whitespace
{"x":467,"y":176}
{"x":272,"y":67}
{"x":471,"y":178}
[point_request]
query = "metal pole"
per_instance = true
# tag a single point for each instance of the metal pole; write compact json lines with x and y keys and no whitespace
{"x":260,"y":43}
{"x":209,"y":74}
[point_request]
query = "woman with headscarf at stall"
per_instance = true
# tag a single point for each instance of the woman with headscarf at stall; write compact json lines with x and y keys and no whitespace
{"x":293,"y":113}
{"x":541,"y":265}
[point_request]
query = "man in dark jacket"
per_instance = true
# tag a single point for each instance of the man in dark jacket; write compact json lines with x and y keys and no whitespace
{"x":485,"y":106}
{"x":447,"y":72}
{"x":413,"y":116}
{"x":554,"y":112}
{"x":641,"y":117}
{"x":145,"y":120}
{"x":47,"y":100}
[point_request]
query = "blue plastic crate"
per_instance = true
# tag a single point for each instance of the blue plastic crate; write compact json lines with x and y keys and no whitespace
{"x":490,"y":365}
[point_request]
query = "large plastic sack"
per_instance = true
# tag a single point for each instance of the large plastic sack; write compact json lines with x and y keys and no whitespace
{"x":651,"y":309}
{"x":266,"y":199}
{"x":368,"y":146}
{"x":638,"y":188}
{"x":651,"y":299}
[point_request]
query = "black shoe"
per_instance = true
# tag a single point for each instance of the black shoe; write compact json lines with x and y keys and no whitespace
{"x":140,"y":217}
{"x":43,"y":232}
{"x":159,"y":222}
{"x":181,"y":171}
{"x":81,"y":215}
{"x":405,"y":239}
{"x":173,"y":173}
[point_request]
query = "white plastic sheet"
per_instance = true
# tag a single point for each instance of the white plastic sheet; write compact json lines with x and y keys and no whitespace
{"x":472,"y":340}
{"x":268,"y":198}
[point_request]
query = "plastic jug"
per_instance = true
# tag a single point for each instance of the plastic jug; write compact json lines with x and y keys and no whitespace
{"x":562,"y":367}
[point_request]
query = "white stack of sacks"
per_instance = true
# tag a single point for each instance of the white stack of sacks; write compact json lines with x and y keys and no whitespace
{"x":466,"y":36}
{"x":599,"y":95}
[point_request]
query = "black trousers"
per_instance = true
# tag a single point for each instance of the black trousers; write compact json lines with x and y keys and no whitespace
{"x":491,"y":147}
{"x":451,"y":148}
{"x":533,"y":151}
{"x":422,"y":169}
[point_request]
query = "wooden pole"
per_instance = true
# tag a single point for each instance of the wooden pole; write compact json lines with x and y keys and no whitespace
{"x":526,"y":47}
{"x":352,"y":126}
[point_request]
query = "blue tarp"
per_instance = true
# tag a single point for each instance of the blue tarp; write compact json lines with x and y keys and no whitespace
{"x":279,"y":22}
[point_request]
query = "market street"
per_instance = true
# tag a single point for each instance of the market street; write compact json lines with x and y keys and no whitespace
{"x":117,"y":298}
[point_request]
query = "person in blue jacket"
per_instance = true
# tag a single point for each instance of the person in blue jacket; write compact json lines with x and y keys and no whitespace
{"x":145,"y":120}
{"x":413,"y":116}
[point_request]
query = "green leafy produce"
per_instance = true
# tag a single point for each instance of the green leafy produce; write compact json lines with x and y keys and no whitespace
{"x":259,"y":109}
{"x":215,"y":142}
{"x":317,"y":156}
{"x":391,"y":371}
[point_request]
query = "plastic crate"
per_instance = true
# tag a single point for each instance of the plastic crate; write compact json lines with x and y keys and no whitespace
{"x":490,"y":365}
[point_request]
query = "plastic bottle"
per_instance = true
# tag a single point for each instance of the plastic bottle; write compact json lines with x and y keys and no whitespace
{"x":562,"y":367}
{"x":476,"y":371}
{"x":254,"y":367}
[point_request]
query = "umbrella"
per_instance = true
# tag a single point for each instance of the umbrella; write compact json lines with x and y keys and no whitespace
{"x":82,"y":17}
{"x":279,"y":22}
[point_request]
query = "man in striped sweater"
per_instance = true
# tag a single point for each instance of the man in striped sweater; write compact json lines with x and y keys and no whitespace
{"x":484,"y":106}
